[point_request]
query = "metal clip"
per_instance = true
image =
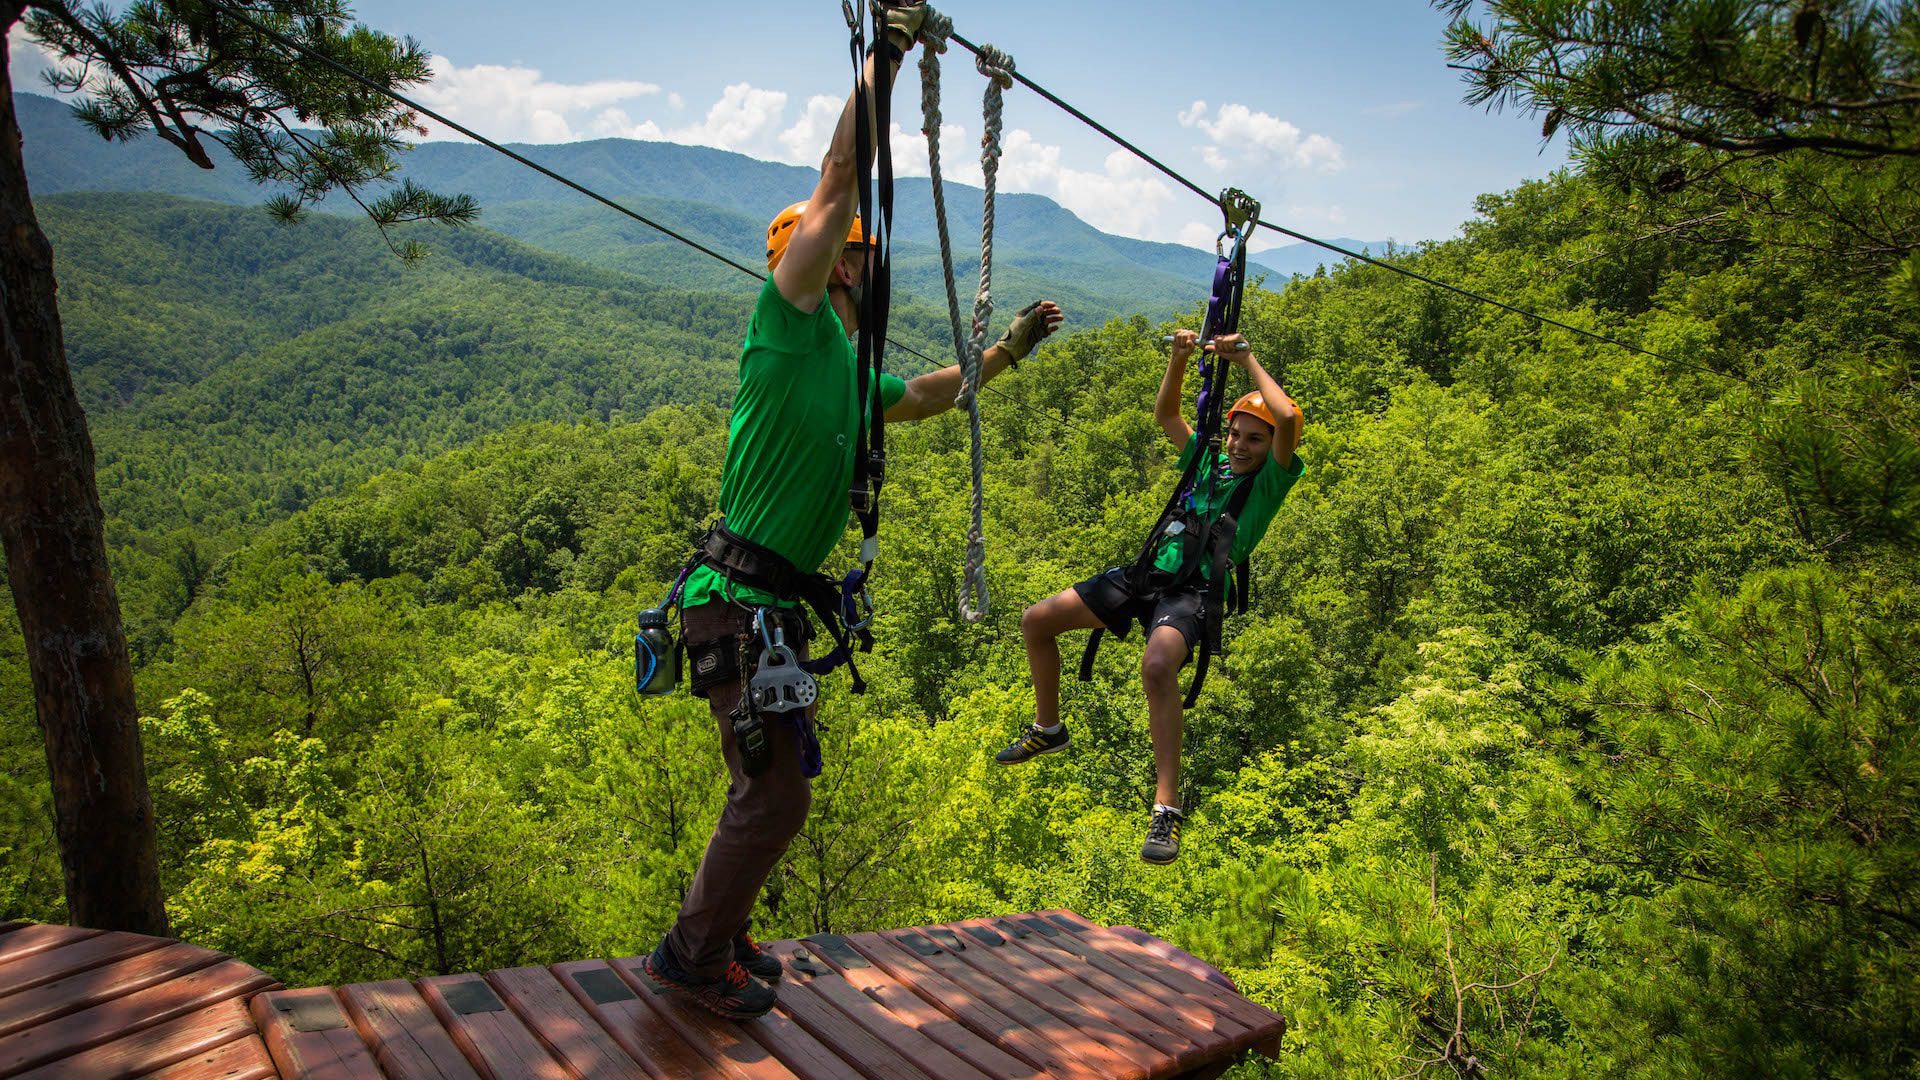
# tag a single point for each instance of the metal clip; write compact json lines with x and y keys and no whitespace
{"x":778,"y":684}
{"x":1239,"y":208}
{"x":858,"y":611}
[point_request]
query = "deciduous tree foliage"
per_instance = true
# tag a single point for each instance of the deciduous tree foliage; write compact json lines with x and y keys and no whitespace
{"x":1571,"y":731}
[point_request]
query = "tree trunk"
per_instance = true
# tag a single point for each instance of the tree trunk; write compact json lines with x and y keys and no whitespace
{"x":57,"y":566}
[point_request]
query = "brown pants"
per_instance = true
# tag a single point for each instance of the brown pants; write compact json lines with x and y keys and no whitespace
{"x":763,"y":815}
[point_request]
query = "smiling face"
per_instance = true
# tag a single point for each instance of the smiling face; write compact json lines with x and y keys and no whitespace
{"x":1249,"y":442}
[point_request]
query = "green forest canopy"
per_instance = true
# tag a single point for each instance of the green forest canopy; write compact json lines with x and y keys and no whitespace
{"x":1575,"y":713}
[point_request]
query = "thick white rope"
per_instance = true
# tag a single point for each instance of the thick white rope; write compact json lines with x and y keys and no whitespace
{"x":971,"y":349}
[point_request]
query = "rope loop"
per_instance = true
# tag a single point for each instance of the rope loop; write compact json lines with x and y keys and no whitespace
{"x":970,"y":348}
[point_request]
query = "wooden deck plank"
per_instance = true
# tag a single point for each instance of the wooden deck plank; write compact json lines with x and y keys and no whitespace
{"x":490,"y":1034}
{"x":1181,"y":971}
{"x":857,"y":986}
{"x":1148,"y":1026}
{"x":141,"y":1048}
{"x":242,"y":1059}
{"x":95,"y":985}
{"x":639,"y":1030}
{"x":309,"y":1035}
{"x":1039,"y":1007}
{"x":1014,"y":970}
{"x":29,"y":938}
{"x":570,"y":1032}
{"x":406,"y":1037}
{"x":1063,"y":1051}
{"x":10,"y":926}
{"x":113,"y":1018}
{"x":58,"y":963}
{"x":868,"y":1054}
{"x":723,"y":1042}
{"x":1197,"y":1019}
{"x":902,"y":999}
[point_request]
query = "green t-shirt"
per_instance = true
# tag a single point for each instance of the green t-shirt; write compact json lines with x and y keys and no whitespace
{"x":1270,"y":486}
{"x":791,"y":444}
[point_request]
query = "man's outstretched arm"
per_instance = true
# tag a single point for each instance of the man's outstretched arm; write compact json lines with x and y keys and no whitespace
{"x":821,"y":234}
{"x":933,"y":393}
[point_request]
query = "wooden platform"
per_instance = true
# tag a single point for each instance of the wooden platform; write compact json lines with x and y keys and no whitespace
{"x":1040,"y":995}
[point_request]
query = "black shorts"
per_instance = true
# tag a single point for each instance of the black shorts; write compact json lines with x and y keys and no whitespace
{"x":1119,"y":607}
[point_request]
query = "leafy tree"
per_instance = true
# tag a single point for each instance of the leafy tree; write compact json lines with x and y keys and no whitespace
{"x":178,"y":68}
{"x":1789,"y":122}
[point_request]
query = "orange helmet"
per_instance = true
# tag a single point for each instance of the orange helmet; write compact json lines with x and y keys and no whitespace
{"x":780,"y":232}
{"x":1255,"y":406}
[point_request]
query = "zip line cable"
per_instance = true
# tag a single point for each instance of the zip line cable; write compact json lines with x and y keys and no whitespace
{"x":376,"y":87}
{"x":1284,"y":231}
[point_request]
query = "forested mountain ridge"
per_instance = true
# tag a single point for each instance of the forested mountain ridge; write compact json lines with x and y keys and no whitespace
{"x":721,"y":199}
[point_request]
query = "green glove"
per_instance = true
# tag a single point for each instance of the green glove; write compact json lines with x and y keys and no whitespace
{"x":1030,"y":326}
{"x":903,"y":21}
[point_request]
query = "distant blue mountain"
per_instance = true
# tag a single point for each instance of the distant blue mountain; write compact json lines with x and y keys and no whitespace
{"x":720,"y":198}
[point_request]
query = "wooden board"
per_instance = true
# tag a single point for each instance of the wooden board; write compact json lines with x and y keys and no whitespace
{"x":80,"y":990}
{"x":82,"y":954}
{"x":571,"y":1033}
{"x":25,"y":939}
{"x":638,"y":1029}
{"x":113,"y":1018}
{"x":1063,"y":1051}
{"x":158,"y":1046}
{"x":924,"y":1017}
{"x":310,"y":1037}
{"x":488,"y":1032}
{"x":241,"y":1059}
{"x":406,"y":1037}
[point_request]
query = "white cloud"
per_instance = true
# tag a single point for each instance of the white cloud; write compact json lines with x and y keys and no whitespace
{"x":806,"y":140}
{"x":1241,"y":136}
{"x":27,"y":62}
{"x":519,"y":103}
{"x":741,"y":120}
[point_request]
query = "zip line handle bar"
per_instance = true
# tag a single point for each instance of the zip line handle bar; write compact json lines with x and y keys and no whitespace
{"x":1241,"y":347}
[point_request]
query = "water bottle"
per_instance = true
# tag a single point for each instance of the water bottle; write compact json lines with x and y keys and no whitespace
{"x":656,"y":663}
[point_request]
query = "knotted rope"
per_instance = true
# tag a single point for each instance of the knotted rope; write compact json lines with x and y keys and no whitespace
{"x":971,"y":349}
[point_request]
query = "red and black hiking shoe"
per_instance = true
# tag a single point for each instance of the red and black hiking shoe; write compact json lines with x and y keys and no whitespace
{"x":735,"y":995}
{"x":759,"y":963}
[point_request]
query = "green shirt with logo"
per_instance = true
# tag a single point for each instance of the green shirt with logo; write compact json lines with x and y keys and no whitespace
{"x":791,"y":443}
{"x":1271,"y":482}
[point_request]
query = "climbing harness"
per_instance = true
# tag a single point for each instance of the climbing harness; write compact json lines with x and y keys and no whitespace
{"x":1205,"y":546}
{"x":970,"y":348}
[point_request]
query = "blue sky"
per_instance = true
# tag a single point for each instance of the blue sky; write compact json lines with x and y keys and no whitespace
{"x":1341,"y":118}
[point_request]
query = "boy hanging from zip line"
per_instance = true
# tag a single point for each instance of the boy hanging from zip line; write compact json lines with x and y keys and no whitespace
{"x":1257,"y":469}
{"x":784,"y":489}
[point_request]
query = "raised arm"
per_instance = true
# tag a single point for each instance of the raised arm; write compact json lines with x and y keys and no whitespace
{"x":1286,"y":435}
{"x":821,"y":234}
{"x":1167,"y":405}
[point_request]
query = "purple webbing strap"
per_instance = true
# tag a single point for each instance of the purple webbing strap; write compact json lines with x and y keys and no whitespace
{"x":1216,"y":311}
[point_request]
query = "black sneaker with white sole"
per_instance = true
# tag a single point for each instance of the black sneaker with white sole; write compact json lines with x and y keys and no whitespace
{"x":1163,"y":837}
{"x":1031,"y":744}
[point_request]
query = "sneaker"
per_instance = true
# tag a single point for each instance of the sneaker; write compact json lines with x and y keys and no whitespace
{"x":1031,"y":744}
{"x":1163,"y":837}
{"x":759,"y":963}
{"x":735,"y":995}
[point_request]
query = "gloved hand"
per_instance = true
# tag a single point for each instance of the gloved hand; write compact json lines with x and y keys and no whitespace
{"x":903,"y":20}
{"x":1031,"y":325}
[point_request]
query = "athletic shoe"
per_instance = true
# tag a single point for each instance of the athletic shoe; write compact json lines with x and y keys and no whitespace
{"x":759,"y":963}
{"x":1031,"y":744}
{"x":1163,"y":837}
{"x":735,"y":995}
